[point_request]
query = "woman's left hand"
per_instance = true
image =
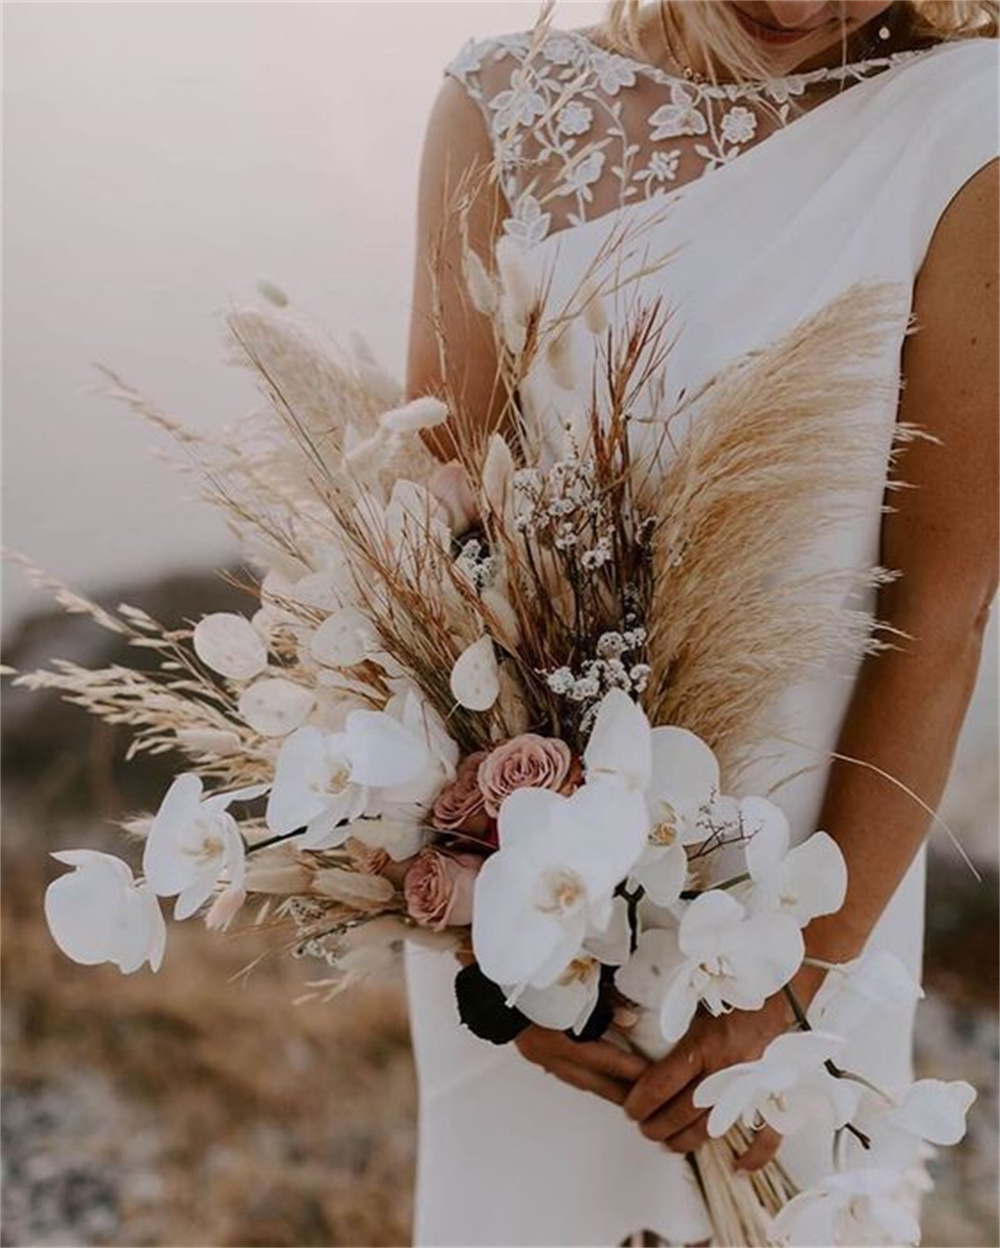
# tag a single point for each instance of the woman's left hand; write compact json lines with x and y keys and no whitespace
{"x":661,"y":1100}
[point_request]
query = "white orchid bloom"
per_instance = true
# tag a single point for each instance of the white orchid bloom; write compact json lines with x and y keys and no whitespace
{"x":805,"y":881}
{"x":413,"y":798}
{"x":683,"y":784}
{"x":99,"y":913}
{"x":192,"y":841}
{"x":648,"y":914}
{"x":550,"y":884}
{"x":570,"y":1001}
{"x":679,"y":776}
{"x":851,"y":991}
{"x":934,"y":1110}
{"x":612,"y":943}
{"x":650,"y":971}
{"x":400,"y":838}
{"x":323,"y":779}
{"x":721,"y":954}
{"x":619,"y":748}
{"x":853,"y":1207}
{"x":929,"y":1110}
{"x":786,"y":1087}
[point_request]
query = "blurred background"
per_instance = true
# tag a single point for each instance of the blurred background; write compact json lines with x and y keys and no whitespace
{"x":160,"y":160}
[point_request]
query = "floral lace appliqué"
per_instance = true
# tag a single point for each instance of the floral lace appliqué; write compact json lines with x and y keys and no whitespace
{"x":577,"y":130}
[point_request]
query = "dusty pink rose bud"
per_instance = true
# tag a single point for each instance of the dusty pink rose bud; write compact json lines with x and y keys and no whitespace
{"x":459,"y":806}
{"x":438,"y":888}
{"x":376,"y":861}
{"x":370,"y":861}
{"x":527,"y":762}
{"x":449,"y":484}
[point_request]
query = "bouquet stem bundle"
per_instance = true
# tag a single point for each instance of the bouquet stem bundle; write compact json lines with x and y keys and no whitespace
{"x":741,"y":1206}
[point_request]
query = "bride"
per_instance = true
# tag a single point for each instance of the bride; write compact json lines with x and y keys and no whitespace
{"x":798,"y":146}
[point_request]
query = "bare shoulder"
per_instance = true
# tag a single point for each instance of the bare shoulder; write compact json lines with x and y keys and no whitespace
{"x":459,"y":207}
{"x":456,"y":173}
{"x":456,"y":133}
{"x":959,"y":276}
{"x":480,"y":69}
{"x":971,"y":218}
{"x":943,"y":533}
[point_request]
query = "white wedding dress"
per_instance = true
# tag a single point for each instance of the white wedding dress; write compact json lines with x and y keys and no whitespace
{"x":777,"y":196}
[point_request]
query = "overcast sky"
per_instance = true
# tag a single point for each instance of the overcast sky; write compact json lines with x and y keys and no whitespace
{"x":158,"y":159}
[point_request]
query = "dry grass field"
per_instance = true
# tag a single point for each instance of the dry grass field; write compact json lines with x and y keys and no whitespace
{"x":178,"y":1109}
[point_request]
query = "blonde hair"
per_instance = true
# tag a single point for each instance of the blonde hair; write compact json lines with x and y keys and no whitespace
{"x":710,"y":24}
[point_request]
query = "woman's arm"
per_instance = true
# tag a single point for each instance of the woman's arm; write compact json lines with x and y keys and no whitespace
{"x":456,"y":145}
{"x":908,"y":704}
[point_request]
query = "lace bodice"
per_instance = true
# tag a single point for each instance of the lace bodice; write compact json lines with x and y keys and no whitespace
{"x":578,"y":130}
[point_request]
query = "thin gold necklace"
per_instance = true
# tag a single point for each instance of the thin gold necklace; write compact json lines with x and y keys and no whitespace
{"x":695,"y":76}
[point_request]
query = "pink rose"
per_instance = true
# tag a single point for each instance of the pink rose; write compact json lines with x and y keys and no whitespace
{"x":527,"y":762}
{"x":369,"y":861}
{"x":438,"y":888}
{"x":459,"y":806}
{"x":449,"y":484}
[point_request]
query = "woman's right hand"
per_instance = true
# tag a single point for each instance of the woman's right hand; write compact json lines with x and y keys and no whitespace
{"x":596,"y":1066}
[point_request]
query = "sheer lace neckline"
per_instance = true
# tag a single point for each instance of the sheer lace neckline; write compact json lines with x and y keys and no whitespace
{"x":578,"y":130}
{"x":726,"y":90}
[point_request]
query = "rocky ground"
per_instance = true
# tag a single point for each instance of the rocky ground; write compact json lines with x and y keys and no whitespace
{"x":179,"y":1109}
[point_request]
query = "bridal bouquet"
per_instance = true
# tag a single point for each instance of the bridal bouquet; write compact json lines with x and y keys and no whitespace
{"x":504,"y":704}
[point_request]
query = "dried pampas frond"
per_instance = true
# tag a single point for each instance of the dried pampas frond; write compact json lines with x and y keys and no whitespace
{"x":782,"y":447}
